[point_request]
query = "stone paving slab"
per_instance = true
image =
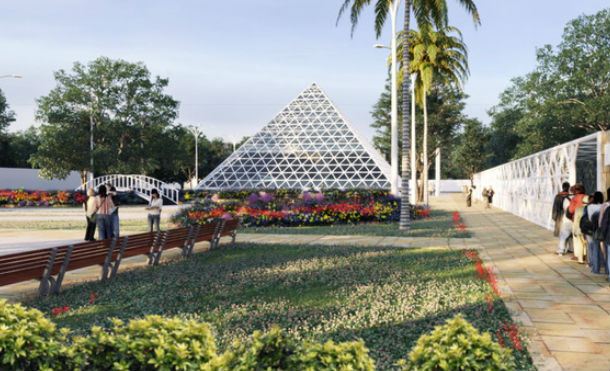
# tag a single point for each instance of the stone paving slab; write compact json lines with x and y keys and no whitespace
{"x":561,"y":306}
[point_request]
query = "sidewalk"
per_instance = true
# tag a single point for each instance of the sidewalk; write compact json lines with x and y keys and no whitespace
{"x":563,"y":308}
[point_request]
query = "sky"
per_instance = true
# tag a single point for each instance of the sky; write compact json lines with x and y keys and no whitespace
{"x":233,"y":65}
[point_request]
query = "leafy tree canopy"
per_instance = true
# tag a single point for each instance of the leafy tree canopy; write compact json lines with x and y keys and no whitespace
{"x":127,"y":108}
{"x":566,"y":96}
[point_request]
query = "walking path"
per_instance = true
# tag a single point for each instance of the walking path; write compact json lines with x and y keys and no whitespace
{"x":561,"y":306}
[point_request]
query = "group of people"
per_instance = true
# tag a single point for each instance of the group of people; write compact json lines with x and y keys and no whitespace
{"x":102,"y":212}
{"x":487,"y":194}
{"x":582,"y":223}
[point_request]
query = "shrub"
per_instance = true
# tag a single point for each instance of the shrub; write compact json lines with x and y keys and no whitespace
{"x":331,"y":356}
{"x":277,"y":351}
{"x":28,"y":340}
{"x":458,"y":346}
{"x":151,"y":343}
{"x":273,"y":350}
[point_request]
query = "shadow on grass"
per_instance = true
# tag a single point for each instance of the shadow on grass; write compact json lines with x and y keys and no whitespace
{"x":387,"y":296}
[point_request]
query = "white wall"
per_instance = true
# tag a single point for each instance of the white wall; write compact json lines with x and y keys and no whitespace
{"x":14,"y":178}
{"x":452,"y":185}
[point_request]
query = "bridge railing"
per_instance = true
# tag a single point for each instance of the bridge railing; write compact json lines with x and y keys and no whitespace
{"x":142,"y":185}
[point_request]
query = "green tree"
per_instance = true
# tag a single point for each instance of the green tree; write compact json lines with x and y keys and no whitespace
{"x":115,"y":101}
{"x":471,"y":152}
{"x":445,"y":113}
{"x":21,"y":146}
{"x":6,"y":117}
{"x":424,"y":12}
{"x":435,"y":55}
{"x":566,"y":96}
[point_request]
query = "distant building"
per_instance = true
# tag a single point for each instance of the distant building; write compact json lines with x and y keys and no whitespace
{"x":308,"y":145}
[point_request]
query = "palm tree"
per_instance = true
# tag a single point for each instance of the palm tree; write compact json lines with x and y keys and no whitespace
{"x":434,"y":54}
{"x":424,"y":12}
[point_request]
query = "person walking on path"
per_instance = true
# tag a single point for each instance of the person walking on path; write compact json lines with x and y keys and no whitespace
{"x":558,"y":210}
{"x":566,"y":226}
{"x":90,"y":206}
{"x":578,"y":236}
{"x":604,"y":226}
{"x":114,"y":216}
{"x":154,"y":209}
{"x":103,"y":206}
{"x":588,"y":225}
{"x":490,"y":197}
{"x":485,"y":198}
{"x":469,"y":197}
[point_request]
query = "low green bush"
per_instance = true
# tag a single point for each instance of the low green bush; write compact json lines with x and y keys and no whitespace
{"x":152,"y":343}
{"x":277,"y":351}
{"x":331,"y":356}
{"x":458,"y":346}
{"x":28,"y":340}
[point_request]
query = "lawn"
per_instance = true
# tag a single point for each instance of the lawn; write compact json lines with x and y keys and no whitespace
{"x":439,"y":224}
{"x":388,"y":296}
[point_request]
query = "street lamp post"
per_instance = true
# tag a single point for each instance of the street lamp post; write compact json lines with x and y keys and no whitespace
{"x":196,"y":132}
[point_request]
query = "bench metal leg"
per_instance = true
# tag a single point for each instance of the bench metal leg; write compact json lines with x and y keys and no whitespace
{"x":62,"y":271}
{"x":46,"y":279}
{"x":153,"y":248}
{"x":115,"y":266}
{"x":185,"y":247}
{"x":191,"y":245}
{"x":216,"y":239}
{"x":108,"y":262}
{"x":160,"y":250}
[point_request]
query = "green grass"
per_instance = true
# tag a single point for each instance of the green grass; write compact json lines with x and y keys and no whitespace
{"x":387,"y":296}
{"x":439,"y":224}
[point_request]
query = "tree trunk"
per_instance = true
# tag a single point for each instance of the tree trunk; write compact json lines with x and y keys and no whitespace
{"x":405,"y":207}
{"x":425,"y":150}
{"x":413,"y":143}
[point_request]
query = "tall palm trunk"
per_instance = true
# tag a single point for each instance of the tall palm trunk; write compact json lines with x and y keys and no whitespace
{"x":405,"y":207}
{"x":425,"y":149}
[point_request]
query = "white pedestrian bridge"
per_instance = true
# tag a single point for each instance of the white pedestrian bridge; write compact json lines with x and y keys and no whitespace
{"x":141,"y":185}
{"x":526,"y":187}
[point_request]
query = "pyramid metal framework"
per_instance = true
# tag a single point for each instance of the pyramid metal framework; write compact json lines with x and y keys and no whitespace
{"x":308,"y":145}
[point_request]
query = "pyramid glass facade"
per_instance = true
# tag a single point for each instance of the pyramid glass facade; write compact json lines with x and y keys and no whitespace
{"x":308,"y":145}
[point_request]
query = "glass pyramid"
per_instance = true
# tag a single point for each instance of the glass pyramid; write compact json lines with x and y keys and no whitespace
{"x":308,"y":145}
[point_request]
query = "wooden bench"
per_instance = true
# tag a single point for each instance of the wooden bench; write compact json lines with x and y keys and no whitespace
{"x":49,"y":265}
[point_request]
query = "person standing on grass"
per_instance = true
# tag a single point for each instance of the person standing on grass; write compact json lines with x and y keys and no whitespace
{"x":558,"y":212}
{"x":103,"y":206}
{"x":114,"y":216}
{"x":89,"y":206}
{"x":154,"y":209}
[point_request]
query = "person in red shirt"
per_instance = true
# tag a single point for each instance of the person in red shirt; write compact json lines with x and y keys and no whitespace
{"x":577,"y":200}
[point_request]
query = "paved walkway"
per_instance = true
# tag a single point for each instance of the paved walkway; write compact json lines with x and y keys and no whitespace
{"x":561,"y":306}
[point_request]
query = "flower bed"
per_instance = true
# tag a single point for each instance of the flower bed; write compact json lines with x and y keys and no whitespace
{"x":22,"y":198}
{"x":264,"y":209}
